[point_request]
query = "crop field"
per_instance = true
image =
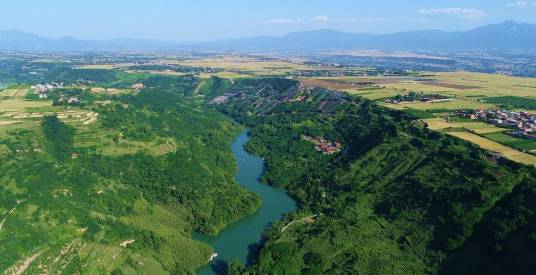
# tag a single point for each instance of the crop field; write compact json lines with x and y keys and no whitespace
{"x":467,"y":91}
{"x":98,"y":67}
{"x":14,"y":93}
{"x":489,"y":137}
{"x":439,"y":124}
{"x":249,"y":65}
{"x":471,"y":90}
{"x":518,"y":143}
{"x":110,"y":91}
{"x":444,"y":106}
{"x":228,"y":75}
{"x":493,"y":146}
{"x":8,"y":122}
{"x":19,"y":105}
{"x":85,"y":117}
{"x":515,"y":101}
{"x":474,"y":85}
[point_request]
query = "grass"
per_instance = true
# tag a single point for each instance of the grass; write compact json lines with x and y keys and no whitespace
{"x":493,"y":146}
{"x":93,"y":137}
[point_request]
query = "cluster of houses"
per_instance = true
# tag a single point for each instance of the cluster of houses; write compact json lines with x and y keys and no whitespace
{"x":417,"y":97}
{"x":138,"y":86}
{"x":324,"y":146}
{"x":335,"y":73}
{"x":226,"y":97}
{"x":69,"y":100}
{"x":43,"y":89}
{"x":219,"y":100}
{"x":523,"y":123}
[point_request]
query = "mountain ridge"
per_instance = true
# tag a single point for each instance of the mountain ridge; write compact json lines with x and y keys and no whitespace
{"x":508,"y":35}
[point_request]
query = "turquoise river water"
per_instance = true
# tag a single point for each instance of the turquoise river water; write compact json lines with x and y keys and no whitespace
{"x":239,"y":239}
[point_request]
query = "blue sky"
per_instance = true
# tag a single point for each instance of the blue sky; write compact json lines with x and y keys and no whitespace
{"x":196,"y":20}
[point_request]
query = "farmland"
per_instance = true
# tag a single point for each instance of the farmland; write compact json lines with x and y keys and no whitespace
{"x":514,"y":101}
{"x":441,"y":124}
{"x":103,"y":177}
{"x":496,"y":147}
{"x":473,"y":88}
{"x":465,"y":91}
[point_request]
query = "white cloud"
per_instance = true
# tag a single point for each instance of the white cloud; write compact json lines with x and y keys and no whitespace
{"x":321,"y":18}
{"x":466,"y":13}
{"x":282,"y":21}
{"x":359,"y":20}
{"x":518,"y":4}
{"x":325,"y":19}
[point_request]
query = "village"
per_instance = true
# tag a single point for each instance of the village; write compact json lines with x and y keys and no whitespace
{"x":326,"y":147}
{"x":523,"y":123}
{"x":417,"y":97}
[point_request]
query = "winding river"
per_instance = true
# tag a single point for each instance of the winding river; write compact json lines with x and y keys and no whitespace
{"x":238,"y":239}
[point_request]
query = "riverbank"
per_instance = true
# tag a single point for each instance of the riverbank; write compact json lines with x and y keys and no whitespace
{"x":239,"y":239}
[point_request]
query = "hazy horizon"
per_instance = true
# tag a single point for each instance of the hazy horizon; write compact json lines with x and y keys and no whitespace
{"x":209,"y":20}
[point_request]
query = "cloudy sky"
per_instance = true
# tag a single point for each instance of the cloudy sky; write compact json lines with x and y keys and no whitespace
{"x":200,"y":20}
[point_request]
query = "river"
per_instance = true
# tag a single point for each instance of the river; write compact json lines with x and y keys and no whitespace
{"x":238,"y":239}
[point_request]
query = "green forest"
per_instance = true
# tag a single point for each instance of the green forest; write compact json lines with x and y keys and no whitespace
{"x":78,"y":209}
{"x":124,"y":194}
{"x":399,"y":199}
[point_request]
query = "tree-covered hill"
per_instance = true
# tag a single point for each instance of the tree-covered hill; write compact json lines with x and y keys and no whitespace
{"x":398,"y":199}
{"x":67,"y":208}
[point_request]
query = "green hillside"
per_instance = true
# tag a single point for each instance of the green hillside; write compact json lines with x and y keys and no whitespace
{"x":69,"y":206}
{"x":399,"y":199}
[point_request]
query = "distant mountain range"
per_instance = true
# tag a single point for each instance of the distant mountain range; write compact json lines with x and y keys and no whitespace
{"x":504,"y":36}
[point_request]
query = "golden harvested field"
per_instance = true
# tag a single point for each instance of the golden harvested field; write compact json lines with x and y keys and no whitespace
{"x":453,"y":104}
{"x":14,"y":93}
{"x":439,"y":124}
{"x":469,"y":90}
{"x":110,"y":91}
{"x":491,"y":84}
{"x":493,"y":146}
{"x":19,"y":105}
{"x":229,"y":75}
{"x":98,"y":66}
{"x":8,"y":122}
{"x":247,"y":64}
{"x":459,"y":84}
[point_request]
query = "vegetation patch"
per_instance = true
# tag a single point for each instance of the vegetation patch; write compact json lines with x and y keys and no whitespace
{"x":514,"y":101}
